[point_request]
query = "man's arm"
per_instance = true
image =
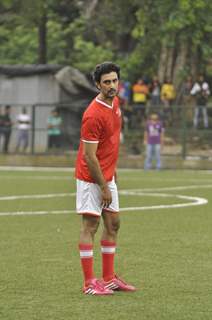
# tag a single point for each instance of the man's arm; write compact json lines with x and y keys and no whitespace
{"x":89,"y":152}
{"x":162,"y":138}
{"x":195,"y":89}
{"x":145,"y":137}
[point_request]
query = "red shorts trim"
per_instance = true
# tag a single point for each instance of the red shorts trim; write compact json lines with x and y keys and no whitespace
{"x":89,"y":214}
{"x":109,"y":211}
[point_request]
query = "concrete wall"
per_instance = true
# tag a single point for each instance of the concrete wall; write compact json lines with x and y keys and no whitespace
{"x":40,"y":90}
{"x":29,"y":90}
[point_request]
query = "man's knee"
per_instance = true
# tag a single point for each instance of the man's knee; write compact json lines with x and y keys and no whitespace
{"x":113,"y":226}
{"x":116,"y":225}
{"x":90,"y":224}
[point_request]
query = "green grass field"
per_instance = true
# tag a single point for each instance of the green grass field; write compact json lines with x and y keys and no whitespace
{"x":164,"y":248}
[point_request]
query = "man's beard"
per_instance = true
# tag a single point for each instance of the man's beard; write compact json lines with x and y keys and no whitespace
{"x":111,"y":93}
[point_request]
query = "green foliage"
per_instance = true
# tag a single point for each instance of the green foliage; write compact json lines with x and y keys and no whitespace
{"x":130,"y":32}
{"x":56,"y":43}
{"x":18,"y":46}
{"x":6,"y":3}
{"x":87,"y":54}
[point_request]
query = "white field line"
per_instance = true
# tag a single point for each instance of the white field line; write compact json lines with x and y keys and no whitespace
{"x":72,"y":169}
{"x":37,"y":196}
{"x":166,"y":179}
{"x":42,"y":169}
{"x":194,"y":201}
{"x":34,"y":213}
{"x":205,"y":186}
{"x":121,"y":192}
{"x":71,"y":178}
{"x":47,"y":178}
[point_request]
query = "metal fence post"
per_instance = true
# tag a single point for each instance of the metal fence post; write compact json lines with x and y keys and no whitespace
{"x":184,"y":132}
{"x":33,"y":130}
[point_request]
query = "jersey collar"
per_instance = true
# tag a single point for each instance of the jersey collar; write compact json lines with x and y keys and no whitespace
{"x":104,"y":104}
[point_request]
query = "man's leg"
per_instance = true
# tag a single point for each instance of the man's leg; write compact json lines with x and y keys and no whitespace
{"x":148,"y":160}
{"x":25,"y":140}
{"x":18,"y":141}
{"x":92,"y":285}
{"x":88,"y":229}
{"x":196,"y":116}
{"x":157,"y":156}
{"x":6,"y":141}
{"x":205,"y":116}
{"x":108,"y":246}
{"x":108,"y":243}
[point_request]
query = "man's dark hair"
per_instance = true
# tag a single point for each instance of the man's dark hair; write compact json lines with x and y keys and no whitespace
{"x":104,"y":68}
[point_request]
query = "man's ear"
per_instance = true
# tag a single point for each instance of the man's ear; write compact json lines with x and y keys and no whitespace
{"x":98,"y":85}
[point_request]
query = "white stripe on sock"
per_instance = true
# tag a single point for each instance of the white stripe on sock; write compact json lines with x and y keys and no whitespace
{"x":86,"y":253}
{"x":108,"y":249}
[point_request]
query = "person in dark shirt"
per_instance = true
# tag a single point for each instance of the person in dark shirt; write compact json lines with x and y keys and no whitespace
{"x":201,"y":92}
{"x":153,"y":140}
{"x":6,"y":127}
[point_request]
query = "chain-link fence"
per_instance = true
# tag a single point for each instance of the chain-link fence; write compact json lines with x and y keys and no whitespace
{"x":38,"y":133}
{"x":181,"y":138}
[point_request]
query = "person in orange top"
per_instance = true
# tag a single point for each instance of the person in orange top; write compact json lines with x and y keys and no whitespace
{"x":140,"y":92}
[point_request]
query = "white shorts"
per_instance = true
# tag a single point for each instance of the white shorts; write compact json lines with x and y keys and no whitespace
{"x":88,"y":199}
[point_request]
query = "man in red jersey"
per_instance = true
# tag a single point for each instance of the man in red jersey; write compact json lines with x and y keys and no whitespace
{"x":96,"y":186}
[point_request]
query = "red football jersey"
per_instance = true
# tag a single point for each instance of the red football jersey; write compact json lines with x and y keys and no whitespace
{"x":101,"y":123}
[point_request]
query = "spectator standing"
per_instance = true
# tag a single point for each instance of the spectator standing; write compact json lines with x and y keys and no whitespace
{"x":140,"y":92}
{"x":6,"y":127}
{"x":168,"y":95}
{"x":54,"y":130}
{"x":125,"y":92}
{"x":153,"y":139}
{"x":201,"y":92}
{"x":185,"y":99}
{"x":23,"y":121}
{"x":155,"y":92}
{"x":124,"y":96}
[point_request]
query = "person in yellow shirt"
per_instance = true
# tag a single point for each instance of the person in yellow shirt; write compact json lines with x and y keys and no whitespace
{"x":168,"y":91}
{"x":168,"y":95}
{"x":140,"y":92}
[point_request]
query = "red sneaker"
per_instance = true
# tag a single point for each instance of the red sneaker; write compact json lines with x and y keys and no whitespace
{"x":96,"y":287}
{"x":118,"y":284}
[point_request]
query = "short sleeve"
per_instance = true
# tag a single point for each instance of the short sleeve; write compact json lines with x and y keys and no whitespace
{"x":91,"y":130}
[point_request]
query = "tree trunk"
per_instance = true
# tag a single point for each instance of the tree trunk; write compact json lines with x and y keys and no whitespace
{"x":42,"y":39}
{"x":180,"y":63}
{"x":194,"y":63}
{"x":169,"y":63}
{"x":89,"y":7}
{"x":162,"y":63}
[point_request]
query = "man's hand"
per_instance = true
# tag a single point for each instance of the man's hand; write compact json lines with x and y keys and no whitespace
{"x":95,"y":170}
{"x":106,"y":197}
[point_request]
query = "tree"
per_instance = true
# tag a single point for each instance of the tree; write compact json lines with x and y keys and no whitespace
{"x":146,"y":37}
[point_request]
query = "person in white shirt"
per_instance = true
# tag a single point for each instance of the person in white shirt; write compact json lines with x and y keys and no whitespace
{"x":201,"y":92}
{"x":23,"y":121}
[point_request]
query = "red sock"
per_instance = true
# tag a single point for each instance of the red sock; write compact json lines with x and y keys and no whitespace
{"x":108,"y":249}
{"x":86,"y":256}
